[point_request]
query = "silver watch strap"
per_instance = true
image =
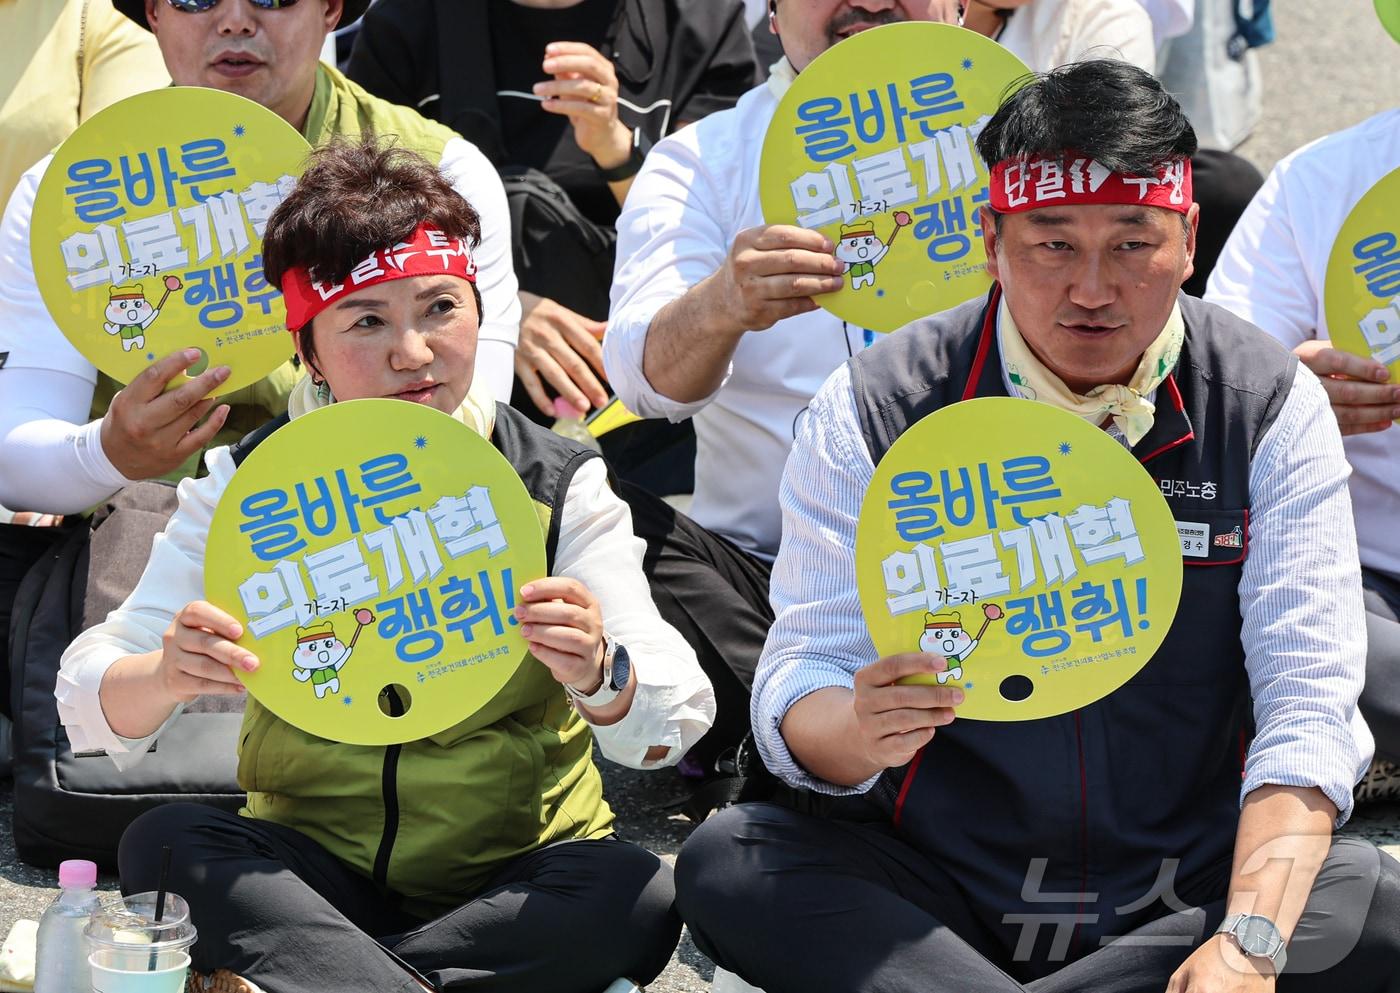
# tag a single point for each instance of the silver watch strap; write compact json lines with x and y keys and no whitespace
{"x":1278,"y":956}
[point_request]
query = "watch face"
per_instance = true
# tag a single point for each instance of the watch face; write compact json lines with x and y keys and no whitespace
{"x":1257,"y":935}
{"x":621,"y":668}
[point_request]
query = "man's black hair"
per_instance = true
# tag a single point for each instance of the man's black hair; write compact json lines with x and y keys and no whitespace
{"x":1109,"y":110}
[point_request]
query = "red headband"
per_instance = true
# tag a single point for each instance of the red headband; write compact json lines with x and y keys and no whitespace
{"x":1071,"y":180}
{"x":427,"y":252}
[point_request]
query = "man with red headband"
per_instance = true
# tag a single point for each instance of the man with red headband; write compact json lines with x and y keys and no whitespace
{"x":1114,"y":848}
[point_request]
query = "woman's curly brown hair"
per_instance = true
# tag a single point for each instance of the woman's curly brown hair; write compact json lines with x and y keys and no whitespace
{"x":358,"y":196}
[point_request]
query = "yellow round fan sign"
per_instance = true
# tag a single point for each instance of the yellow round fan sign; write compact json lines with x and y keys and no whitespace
{"x":147,"y":233}
{"x":373,"y":550}
{"x":1361,"y":296}
{"x":1024,"y":545}
{"x":873,"y":145}
{"x":1389,"y":13}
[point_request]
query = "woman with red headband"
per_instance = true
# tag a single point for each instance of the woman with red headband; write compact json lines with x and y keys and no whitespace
{"x":495,"y":868}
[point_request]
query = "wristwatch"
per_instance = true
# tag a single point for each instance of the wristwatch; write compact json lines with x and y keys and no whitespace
{"x":631,"y":165}
{"x":617,"y":673}
{"x":1257,"y":937}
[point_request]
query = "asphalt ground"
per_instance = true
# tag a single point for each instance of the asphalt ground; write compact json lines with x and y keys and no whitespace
{"x":1331,"y":67}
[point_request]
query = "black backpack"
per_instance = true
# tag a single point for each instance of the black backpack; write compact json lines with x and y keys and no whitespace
{"x":77,"y":806}
{"x":557,"y":252}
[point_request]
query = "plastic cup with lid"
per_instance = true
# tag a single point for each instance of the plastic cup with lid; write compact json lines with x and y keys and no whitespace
{"x":129,"y":951}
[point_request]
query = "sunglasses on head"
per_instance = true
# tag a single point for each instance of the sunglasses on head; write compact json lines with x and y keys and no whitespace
{"x":200,"y":6}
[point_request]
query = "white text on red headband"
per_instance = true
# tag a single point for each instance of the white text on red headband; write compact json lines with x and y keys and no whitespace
{"x":1072,"y":179}
{"x":427,"y":252}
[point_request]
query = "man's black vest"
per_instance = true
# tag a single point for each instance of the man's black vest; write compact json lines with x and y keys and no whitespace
{"x":1103,"y":795}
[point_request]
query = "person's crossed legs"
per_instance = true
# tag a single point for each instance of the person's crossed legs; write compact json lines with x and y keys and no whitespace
{"x":791,"y":902}
{"x":274,"y":907}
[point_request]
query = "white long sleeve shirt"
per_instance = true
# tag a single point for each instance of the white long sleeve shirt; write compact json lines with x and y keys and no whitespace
{"x":1271,"y":273}
{"x":1303,"y":627}
{"x":51,"y":457}
{"x":674,"y":703}
{"x":696,"y":192}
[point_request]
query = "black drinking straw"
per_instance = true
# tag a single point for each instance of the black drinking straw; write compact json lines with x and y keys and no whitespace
{"x":160,"y":894}
{"x":164,"y":879}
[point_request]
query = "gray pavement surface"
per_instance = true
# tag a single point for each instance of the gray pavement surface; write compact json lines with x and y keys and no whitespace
{"x":1331,"y":67}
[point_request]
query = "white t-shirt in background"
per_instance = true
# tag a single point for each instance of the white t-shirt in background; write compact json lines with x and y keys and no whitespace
{"x":696,"y":192}
{"x":1050,"y":33}
{"x":1271,"y":273}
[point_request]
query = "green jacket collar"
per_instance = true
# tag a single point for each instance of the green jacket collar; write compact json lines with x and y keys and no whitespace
{"x":340,"y":107}
{"x":320,"y":112}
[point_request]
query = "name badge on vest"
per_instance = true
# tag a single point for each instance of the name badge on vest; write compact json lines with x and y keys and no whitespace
{"x":1195,"y":539}
{"x":1213,"y":537}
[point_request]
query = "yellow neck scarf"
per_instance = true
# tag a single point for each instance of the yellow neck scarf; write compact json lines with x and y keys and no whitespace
{"x":478,"y":410}
{"x":1132,"y":412}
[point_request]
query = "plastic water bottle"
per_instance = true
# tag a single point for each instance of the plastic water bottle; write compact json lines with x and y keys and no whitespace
{"x":569,"y":424}
{"x":60,"y":964}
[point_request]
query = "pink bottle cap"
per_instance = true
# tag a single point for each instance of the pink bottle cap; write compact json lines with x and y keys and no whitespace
{"x":565,"y":410}
{"x":77,"y":873}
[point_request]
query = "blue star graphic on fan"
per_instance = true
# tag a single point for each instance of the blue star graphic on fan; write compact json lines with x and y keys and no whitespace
{"x":239,"y":131}
{"x":420,"y":442}
{"x":1065,"y":448}
{"x":347,"y":700}
{"x":967,"y":63}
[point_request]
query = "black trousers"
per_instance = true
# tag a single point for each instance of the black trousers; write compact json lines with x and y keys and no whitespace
{"x":1380,"y":700}
{"x":716,"y":595}
{"x":798,"y":904}
{"x":277,"y":908}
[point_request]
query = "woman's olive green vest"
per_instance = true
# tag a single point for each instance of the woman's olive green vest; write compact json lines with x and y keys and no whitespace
{"x":432,"y":820}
